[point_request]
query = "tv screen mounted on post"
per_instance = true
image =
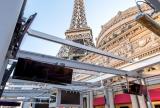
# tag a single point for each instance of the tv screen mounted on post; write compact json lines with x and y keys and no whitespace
{"x":69,"y":98}
{"x":30,"y":70}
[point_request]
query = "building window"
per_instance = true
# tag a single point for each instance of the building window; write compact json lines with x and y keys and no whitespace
{"x":157,"y":106}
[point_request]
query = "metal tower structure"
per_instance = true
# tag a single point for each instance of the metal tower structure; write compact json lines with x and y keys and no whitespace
{"x":78,"y":32}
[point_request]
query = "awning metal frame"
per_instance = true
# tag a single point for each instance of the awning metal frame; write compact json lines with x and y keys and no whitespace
{"x":55,"y":39}
{"x":75,"y":64}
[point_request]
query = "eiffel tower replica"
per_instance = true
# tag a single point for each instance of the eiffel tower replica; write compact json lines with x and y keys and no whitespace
{"x":78,"y":32}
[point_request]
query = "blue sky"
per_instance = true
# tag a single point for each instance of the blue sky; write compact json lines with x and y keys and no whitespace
{"x":54,"y":17}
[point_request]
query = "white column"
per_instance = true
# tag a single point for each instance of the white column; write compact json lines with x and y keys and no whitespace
{"x":141,"y":99}
{"x":88,"y":101}
{"x":111,"y":98}
{"x":26,"y":105}
{"x":91,"y":99}
{"x":33,"y":105}
{"x":106,"y":97}
{"x":147,"y":97}
{"x":134,"y":100}
{"x":81,"y":99}
{"x":9,"y":10}
{"x":142,"y":102}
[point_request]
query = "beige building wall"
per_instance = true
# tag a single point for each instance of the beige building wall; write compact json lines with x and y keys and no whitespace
{"x":123,"y":36}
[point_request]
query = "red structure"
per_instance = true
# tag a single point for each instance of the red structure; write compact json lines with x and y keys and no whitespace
{"x":100,"y":101}
{"x":155,"y":94}
{"x":122,"y":99}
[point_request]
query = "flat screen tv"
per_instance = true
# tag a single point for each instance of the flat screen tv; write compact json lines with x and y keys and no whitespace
{"x":31,"y":70}
{"x":69,"y":98}
{"x":9,"y":103}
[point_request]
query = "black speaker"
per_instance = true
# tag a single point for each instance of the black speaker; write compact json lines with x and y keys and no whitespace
{"x":134,"y":88}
